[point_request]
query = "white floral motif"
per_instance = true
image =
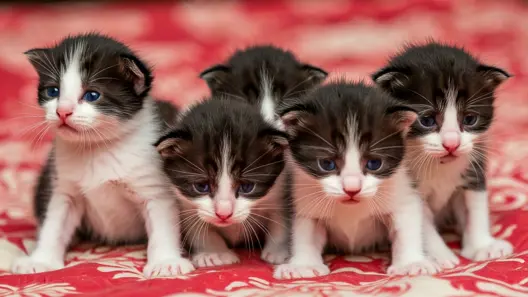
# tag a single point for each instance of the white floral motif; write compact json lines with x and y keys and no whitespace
{"x":37,"y":290}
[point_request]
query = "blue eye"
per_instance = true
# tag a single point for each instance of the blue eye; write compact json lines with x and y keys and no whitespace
{"x":373,"y":164}
{"x":427,"y":121}
{"x":246,"y":188}
{"x":202,"y":188}
{"x":327,"y":164}
{"x":53,"y":92}
{"x":91,"y":96}
{"x":470,"y":119}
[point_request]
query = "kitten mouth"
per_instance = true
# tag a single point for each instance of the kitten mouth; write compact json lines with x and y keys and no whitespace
{"x":349,"y":200}
{"x":220,"y":223}
{"x":448,"y":158}
{"x":64,"y":126}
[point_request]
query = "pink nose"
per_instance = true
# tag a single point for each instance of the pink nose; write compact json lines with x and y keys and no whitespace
{"x":351,"y":194}
{"x":224,"y":217}
{"x":63,"y":113}
{"x":451,"y":141}
{"x":352,"y":185}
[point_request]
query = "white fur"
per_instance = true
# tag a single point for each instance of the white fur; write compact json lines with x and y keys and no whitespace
{"x":267,"y":105}
{"x":117,"y":184}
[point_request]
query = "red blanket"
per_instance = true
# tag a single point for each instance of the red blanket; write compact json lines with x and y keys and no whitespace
{"x":352,"y":38}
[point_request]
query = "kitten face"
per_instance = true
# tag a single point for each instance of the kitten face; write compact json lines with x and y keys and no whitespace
{"x":349,"y":137}
{"x":89,"y":85}
{"x":452,"y":92}
{"x":263,"y":74}
{"x":223,"y":159}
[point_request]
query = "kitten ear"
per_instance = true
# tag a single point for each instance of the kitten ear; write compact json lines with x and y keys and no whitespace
{"x":172,"y":144}
{"x":137,"y":72}
{"x":316,"y":74}
{"x":37,"y":56}
{"x":390,"y":78}
{"x":279,"y":139}
{"x":402,"y":116}
{"x":292,"y":119}
{"x":493,"y":76}
{"x":215,"y":75}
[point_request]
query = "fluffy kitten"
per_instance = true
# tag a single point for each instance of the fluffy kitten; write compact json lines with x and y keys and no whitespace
{"x":453,"y":93}
{"x":227,"y":166}
{"x":266,"y":76}
{"x":350,"y":190}
{"x":103,"y":177}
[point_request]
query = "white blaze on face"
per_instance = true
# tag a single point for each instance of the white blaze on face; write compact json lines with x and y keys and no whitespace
{"x":224,"y":199}
{"x":450,"y":130}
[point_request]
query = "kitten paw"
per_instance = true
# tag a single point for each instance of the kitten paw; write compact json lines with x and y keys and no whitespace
{"x":423,"y":267}
{"x":275,"y":254}
{"x":444,"y":257}
{"x":293,"y":271}
{"x":205,"y":259}
{"x":28,"y":265}
{"x":497,"y":248}
{"x":168,"y":267}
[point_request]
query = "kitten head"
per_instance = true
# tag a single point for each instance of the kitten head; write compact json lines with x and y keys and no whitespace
{"x":89,"y":86}
{"x":451,"y":90}
{"x":223,"y":158}
{"x":349,"y":137}
{"x":261,"y":72}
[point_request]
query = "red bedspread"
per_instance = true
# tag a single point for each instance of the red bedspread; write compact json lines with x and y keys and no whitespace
{"x":351,"y":38}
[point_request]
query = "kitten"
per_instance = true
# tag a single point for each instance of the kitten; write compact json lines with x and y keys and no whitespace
{"x":350,"y":190}
{"x":265,"y":76}
{"x":453,"y":93}
{"x":227,"y":166}
{"x":103,"y":176}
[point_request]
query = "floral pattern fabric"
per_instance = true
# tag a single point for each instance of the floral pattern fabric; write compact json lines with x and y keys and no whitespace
{"x":351,"y":38}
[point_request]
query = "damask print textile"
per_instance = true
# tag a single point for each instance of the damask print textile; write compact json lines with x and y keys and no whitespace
{"x":180,"y":40}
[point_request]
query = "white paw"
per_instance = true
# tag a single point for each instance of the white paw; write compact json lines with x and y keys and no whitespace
{"x":205,"y":259}
{"x":497,"y":248}
{"x":168,"y":267}
{"x":444,"y":257}
{"x":415,"y":268}
{"x":292,"y":271}
{"x":28,"y":265}
{"x":275,"y":253}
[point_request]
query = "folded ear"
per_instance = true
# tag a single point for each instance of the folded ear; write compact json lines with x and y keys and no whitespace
{"x":39,"y":58}
{"x":294,"y":116}
{"x":315,"y":74}
{"x":215,"y":75}
{"x":390,"y":78}
{"x":279,"y":140}
{"x":402,"y":116}
{"x":493,"y":76}
{"x":172,"y":144}
{"x":137,"y":72}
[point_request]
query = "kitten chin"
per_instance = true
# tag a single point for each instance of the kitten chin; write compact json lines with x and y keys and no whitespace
{"x":350,"y":187}
{"x":453,"y":93}
{"x":263,"y":75}
{"x":227,"y":166}
{"x":103,"y":178}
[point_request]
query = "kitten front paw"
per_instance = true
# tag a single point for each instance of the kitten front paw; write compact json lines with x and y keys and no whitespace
{"x":275,"y":253}
{"x":444,"y":257}
{"x":497,"y":248}
{"x":293,"y":271}
{"x":422,"y":267}
{"x":29,"y":265}
{"x":206,"y":259}
{"x":168,"y":267}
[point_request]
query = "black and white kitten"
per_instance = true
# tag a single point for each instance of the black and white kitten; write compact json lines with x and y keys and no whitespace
{"x":453,"y":93}
{"x":103,"y":177}
{"x":265,"y":76}
{"x":227,"y":166}
{"x":351,"y":191}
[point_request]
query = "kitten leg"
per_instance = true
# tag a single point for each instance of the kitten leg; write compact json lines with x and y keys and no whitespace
{"x":407,"y":242}
{"x":209,"y":249}
{"x":435,"y":246}
{"x":275,"y":250}
{"x":309,"y":239}
{"x":477,"y":242}
{"x":63,"y":216}
{"x":164,"y":255}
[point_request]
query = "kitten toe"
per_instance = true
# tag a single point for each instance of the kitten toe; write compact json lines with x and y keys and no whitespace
{"x":168,"y":267}
{"x":423,"y":267}
{"x":444,"y":257}
{"x":29,"y":265}
{"x":497,"y":248}
{"x":275,"y":254}
{"x":294,"y":271}
{"x":207,"y":259}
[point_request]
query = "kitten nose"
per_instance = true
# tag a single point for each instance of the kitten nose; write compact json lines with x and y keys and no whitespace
{"x":64,"y":112}
{"x":451,"y":141}
{"x":352,"y":185}
{"x":223,"y":217}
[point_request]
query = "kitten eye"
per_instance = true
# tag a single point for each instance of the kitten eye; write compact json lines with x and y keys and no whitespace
{"x":202,"y":188}
{"x":53,"y":92}
{"x":327,"y":164}
{"x":427,"y":121}
{"x":373,"y":164}
{"x":470,"y":119}
{"x":246,"y":188}
{"x":91,"y":96}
